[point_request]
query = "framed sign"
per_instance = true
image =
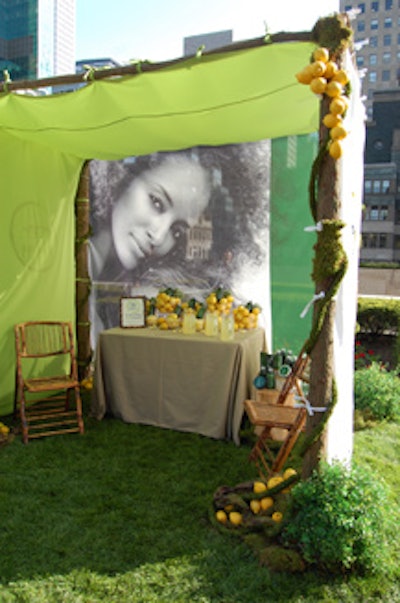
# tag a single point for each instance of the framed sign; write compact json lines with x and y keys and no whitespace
{"x":133,"y":312}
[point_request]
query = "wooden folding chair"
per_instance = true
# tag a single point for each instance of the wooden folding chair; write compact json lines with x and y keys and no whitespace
{"x":270,"y":416}
{"x":46,"y":348}
{"x":273,"y":415}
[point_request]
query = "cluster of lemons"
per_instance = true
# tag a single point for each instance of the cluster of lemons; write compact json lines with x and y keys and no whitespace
{"x":219,"y":301}
{"x":4,"y":431}
{"x":165,"y":311}
{"x":246,"y":317}
{"x":324,"y":77}
{"x":263,"y":505}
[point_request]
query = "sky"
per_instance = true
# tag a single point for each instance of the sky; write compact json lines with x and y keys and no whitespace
{"x":153,"y":30}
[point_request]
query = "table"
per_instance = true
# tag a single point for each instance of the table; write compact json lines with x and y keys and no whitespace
{"x":190,"y":383}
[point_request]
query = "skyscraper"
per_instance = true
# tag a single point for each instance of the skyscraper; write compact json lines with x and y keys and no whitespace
{"x":377,"y":30}
{"x":37,"y":38}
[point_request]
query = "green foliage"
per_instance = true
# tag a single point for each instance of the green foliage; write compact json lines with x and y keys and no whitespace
{"x":375,"y":315}
{"x":377,"y":393}
{"x":340,"y":520}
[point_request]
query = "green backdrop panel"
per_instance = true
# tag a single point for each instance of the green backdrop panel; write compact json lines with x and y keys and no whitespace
{"x":291,"y":247}
{"x":36,"y":245}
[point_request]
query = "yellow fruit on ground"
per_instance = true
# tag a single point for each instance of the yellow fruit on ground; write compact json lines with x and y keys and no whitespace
{"x":235,"y":518}
{"x":259,"y":487}
{"x":255,"y":506}
{"x":318,"y":68}
{"x":321,"y":54}
{"x":338,"y":133}
{"x":318,"y":85}
{"x":333,"y":89}
{"x":4,"y":430}
{"x":331,"y":121}
{"x":274,"y":481}
{"x":266,"y":503}
{"x":338,"y":106}
{"x":277,"y":516}
{"x":335,"y":149}
{"x":163,"y":326}
{"x":289,"y":472}
{"x":341,"y":77}
{"x":228,"y":508}
{"x":221,"y":516}
{"x":330,"y":69}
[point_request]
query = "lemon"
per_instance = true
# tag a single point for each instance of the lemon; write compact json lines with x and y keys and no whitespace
{"x":318,"y":85}
{"x":266,"y":503}
{"x":338,"y":105}
{"x":338,"y":132}
{"x":330,"y":69}
{"x":274,"y":481}
{"x":259,"y":487}
{"x":341,"y":77}
{"x":235,"y":518}
{"x":288,"y":473}
{"x":4,"y":430}
{"x":228,"y":508}
{"x":333,"y":89}
{"x":317,"y":68}
{"x":255,"y":506}
{"x":304,"y":76}
{"x":331,"y":121}
{"x":335,"y":149}
{"x":221,"y":516}
{"x":321,"y":54}
{"x":277,"y":516}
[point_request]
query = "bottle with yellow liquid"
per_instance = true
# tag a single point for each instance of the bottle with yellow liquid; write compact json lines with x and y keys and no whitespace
{"x":227,"y":327}
{"x":211,"y":324}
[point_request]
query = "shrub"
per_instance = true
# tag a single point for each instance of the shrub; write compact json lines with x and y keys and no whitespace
{"x":363,"y":357}
{"x":340,"y":520}
{"x":377,"y":393}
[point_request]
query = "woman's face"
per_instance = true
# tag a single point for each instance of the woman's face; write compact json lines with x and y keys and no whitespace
{"x":157,"y":208}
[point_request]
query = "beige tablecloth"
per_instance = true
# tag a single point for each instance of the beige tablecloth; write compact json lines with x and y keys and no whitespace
{"x":189,"y":383}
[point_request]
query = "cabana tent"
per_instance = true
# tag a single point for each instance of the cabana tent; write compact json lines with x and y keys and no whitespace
{"x":242,"y":93}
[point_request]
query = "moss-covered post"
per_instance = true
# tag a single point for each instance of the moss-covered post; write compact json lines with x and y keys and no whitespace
{"x":330,"y":261}
{"x":82,"y":287}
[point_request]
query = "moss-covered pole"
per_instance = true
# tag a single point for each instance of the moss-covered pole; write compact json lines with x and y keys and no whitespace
{"x":330,"y":261}
{"x":82,"y":287}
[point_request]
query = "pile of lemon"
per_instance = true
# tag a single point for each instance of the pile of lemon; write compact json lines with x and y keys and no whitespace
{"x":324,"y":77}
{"x":263,"y":503}
{"x":246,"y":316}
{"x":219,"y":301}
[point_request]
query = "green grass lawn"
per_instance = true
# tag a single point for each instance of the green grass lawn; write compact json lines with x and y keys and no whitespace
{"x":121,"y":515}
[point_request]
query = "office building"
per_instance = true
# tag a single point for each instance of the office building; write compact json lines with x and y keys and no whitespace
{"x":377,"y":37}
{"x":376,"y":26}
{"x":37,"y":38}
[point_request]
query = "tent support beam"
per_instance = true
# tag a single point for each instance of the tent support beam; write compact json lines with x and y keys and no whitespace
{"x":138,"y":67}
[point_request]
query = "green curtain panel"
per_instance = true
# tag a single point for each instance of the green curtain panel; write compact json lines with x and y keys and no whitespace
{"x":234,"y":97}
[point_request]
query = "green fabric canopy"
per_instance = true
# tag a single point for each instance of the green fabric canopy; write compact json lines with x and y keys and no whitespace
{"x":231,"y":97}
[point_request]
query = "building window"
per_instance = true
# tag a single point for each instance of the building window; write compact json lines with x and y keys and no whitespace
{"x":373,"y":41}
{"x":385,"y":186}
{"x":374,"y":240}
{"x":360,"y":25}
{"x":397,"y":242}
{"x":372,"y":77}
{"x":367,"y":186}
{"x":387,"y":23}
{"x":372,"y":59}
{"x":388,"y":4}
{"x":347,"y":8}
{"x":387,"y":40}
{"x":386,"y":75}
{"x":386,"y":57}
{"x":360,"y":61}
{"x":373,"y":213}
{"x":398,"y":39}
{"x":376,"y":187}
{"x":384,"y":213}
{"x":382,"y":241}
{"x":362,"y":7}
{"x":374,"y":23}
{"x":374,"y":7}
